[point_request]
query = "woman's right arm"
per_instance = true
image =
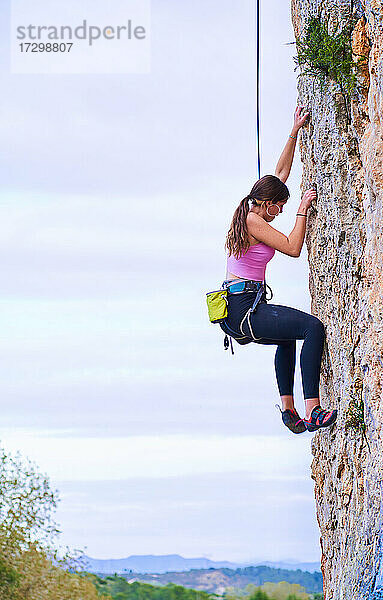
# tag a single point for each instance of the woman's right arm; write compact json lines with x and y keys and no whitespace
{"x":291,"y":244}
{"x":283,"y":168}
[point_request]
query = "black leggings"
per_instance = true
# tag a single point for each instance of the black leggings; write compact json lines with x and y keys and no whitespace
{"x":282,"y":326}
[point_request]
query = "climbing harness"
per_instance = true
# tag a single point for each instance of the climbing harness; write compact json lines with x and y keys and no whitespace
{"x":246,"y":319}
{"x":216,"y":299}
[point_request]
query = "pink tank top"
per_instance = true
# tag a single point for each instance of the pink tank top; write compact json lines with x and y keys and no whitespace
{"x":251,"y":264}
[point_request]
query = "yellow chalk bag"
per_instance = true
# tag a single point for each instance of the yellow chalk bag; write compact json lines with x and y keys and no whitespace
{"x":217,"y":305}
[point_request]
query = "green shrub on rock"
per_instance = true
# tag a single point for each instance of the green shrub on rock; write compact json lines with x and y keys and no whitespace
{"x":325,"y":55}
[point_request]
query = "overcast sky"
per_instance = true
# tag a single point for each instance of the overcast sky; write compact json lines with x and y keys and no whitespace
{"x":117,"y":192}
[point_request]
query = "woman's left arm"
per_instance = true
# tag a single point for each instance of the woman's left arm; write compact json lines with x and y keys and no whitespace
{"x":283,"y":167}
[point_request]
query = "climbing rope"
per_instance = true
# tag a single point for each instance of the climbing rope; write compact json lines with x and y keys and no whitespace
{"x":258,"y":28}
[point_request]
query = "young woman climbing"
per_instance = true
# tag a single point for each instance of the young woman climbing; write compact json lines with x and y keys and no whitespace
{"x":251,"y":244}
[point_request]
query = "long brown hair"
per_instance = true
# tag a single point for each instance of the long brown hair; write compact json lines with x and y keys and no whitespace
{"x":268,"y":187}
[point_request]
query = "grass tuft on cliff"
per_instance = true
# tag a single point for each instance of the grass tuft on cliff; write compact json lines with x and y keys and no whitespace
{"x":327,"y":56}
{"x":355,"y":415}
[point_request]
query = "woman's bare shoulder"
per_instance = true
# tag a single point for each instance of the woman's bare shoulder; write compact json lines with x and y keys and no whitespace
{"x":255,"y":220}
{"x":255,"y":223}
{"x":251,"y":221}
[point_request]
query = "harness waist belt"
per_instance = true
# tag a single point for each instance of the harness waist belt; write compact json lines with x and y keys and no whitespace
{"x":243,"y":286}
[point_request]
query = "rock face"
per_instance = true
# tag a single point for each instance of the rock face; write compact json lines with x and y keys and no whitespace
{"x":342,"y":150}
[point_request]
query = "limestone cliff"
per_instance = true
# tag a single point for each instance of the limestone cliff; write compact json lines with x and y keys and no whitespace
{"x":342,"y":149}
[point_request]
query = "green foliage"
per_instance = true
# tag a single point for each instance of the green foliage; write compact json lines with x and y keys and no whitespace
{"x":355,"y":415}
{"x":328,"y":56}
{"x":9,"y":579}
{"x":312,"y":582}
{"x":270,"y":591}
{"x":259,"y":595}
{"x":285,"y":591}
{"x":29,"y":565}
{"x":120,"y":589}
{"x":317,"y":597}
{"x":26,"y":503}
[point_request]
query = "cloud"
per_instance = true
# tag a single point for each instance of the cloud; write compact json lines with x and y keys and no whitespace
{"x":235,"y":516}
{"x":268,"y":457}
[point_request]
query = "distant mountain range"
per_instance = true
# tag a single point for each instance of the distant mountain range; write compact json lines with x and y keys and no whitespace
{"x":154,"y":564}
{"x":175,"y":563}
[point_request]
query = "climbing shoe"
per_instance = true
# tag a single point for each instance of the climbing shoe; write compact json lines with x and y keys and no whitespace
{"x":292,"y":420}
{"x":320,"y":418}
